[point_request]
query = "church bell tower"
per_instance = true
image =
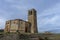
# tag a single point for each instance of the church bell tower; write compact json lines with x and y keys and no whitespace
{"x":32,"y":18}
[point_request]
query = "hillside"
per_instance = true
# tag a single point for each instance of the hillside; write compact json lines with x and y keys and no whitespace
{"x":15,"y":36}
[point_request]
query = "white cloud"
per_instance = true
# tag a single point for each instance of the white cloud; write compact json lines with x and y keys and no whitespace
{"x":54,"y":20}
{"x":53,"y":10}
{"x":2,"y":23}
{"x":19,"y":7}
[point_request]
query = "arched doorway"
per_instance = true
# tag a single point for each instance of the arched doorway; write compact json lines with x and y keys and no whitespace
{"x":26,"y":29}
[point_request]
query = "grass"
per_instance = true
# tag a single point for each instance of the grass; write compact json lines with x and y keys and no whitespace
{"x":53,"y":36}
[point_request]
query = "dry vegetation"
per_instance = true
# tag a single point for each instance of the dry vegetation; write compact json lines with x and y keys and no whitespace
{"x":18,"y":36}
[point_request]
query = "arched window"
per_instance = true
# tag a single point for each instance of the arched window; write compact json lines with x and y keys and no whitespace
{"x":7,"y":22}
{"x":30,"y":12}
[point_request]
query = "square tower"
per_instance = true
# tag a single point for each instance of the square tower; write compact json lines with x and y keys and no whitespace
{"x":32,"y":18}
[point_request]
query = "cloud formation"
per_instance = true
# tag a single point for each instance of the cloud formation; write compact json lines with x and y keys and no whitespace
{"x":50,"y":18}
{"x":48,"y":12}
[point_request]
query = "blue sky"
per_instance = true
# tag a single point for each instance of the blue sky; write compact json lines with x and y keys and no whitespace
{"x":48,"y":12}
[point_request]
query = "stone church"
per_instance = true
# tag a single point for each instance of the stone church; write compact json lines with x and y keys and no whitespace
{"x":22,"y":26}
